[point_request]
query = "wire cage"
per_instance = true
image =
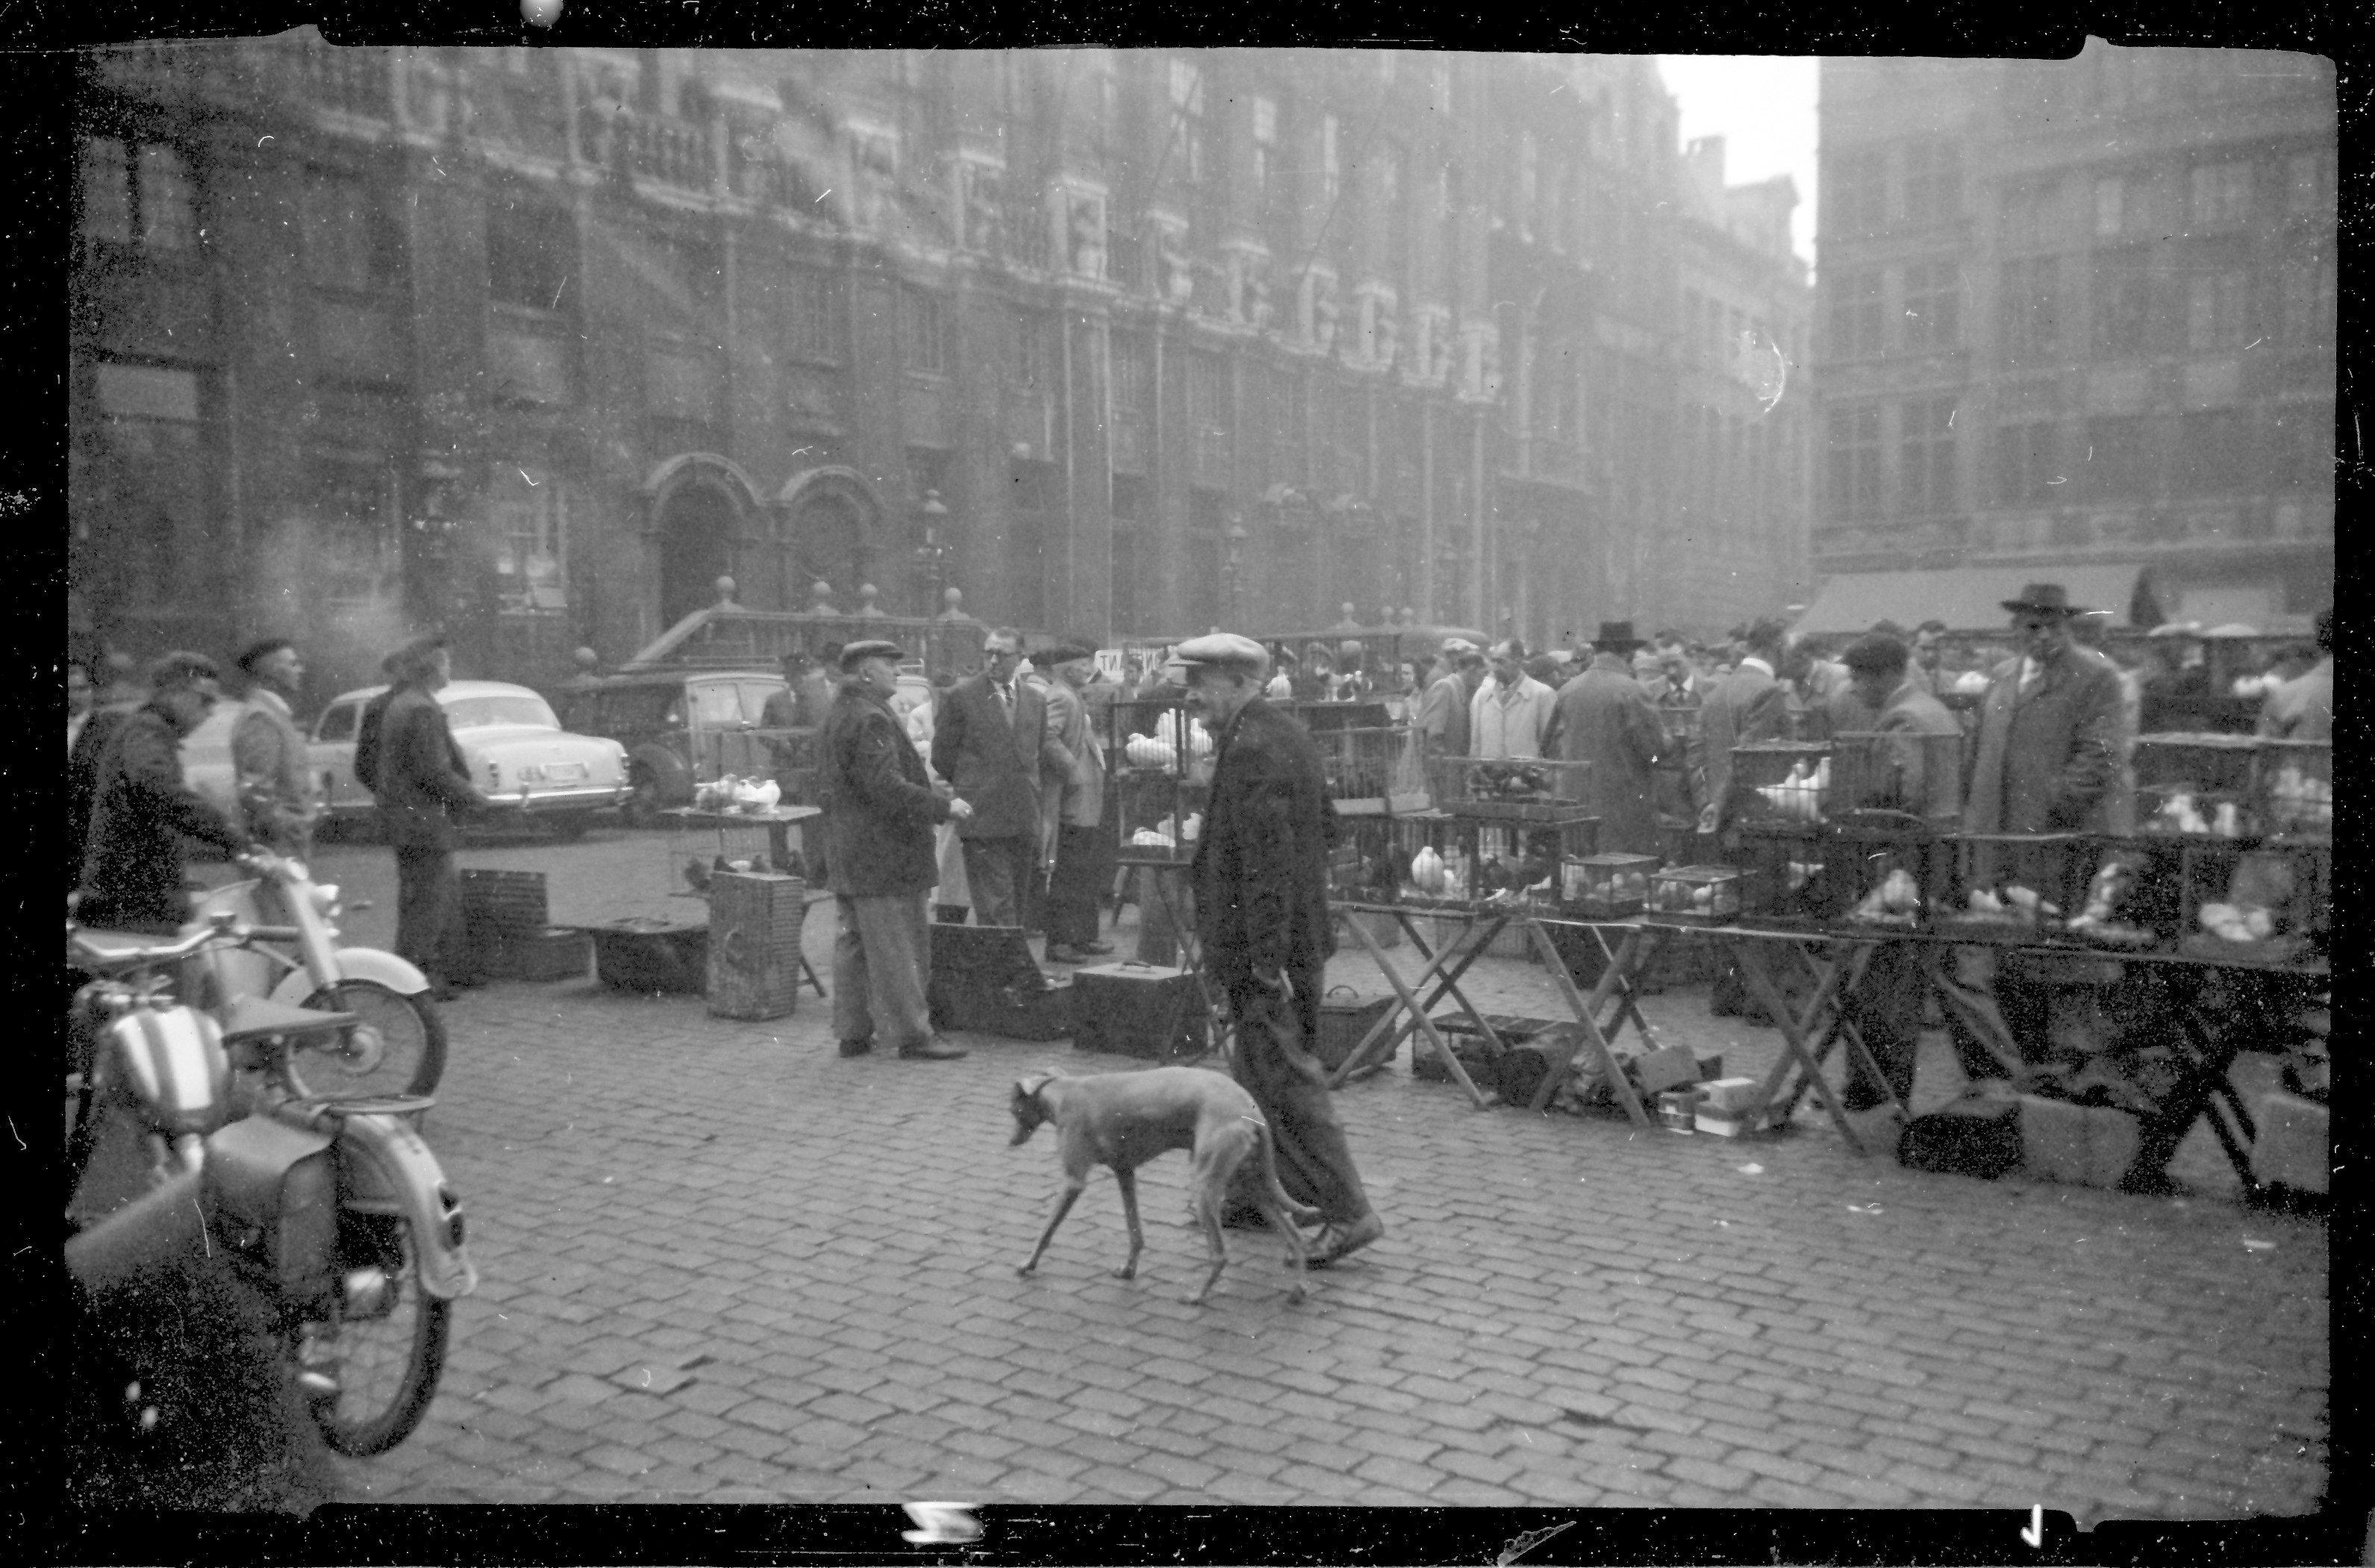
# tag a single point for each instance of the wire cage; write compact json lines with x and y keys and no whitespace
{"x":2268,"y":901}
{"x":1433,"y":859}
{"x":1707,"y":894}
{"x":2134,"y":899}
{"x":1159,"y":761}
{"x":1784,"y":873}
{"x":1544,"y":790}
{"x":1610,"y":885}
{"x":1885,"y":869}
{"x":2197,"y":784}
{"x":1781,"y":781}
{"x":1896,"y":771}
{"x":2016,"y":885}
{"x":2294,"y":788}
{"x":1368,"y":770}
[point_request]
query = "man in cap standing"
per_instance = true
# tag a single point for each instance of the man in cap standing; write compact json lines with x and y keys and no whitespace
{"x":880,"y":809}
{"x":990,"y":741}
{"x":142,"y":809}
{"x":1260,"y":881}
{"x":269,"y":754}
{"x":1079,"y":801}
{"x":1605,"y":719}
{"x":424,"y":788}
{"x":1443,"y":712}
{"x":2048,"y":756}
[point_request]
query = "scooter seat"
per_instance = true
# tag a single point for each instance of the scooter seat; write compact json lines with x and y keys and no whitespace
{"x":255,"y":1018}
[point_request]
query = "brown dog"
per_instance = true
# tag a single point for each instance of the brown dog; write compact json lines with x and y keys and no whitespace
{"x":1124,"y":1120}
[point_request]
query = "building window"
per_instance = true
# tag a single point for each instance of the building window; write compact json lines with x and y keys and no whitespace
{"x":1694,"y":352}
{"x":1030,"y":496}
{"x":813,"y":317}
{"x":2306,"y":307}
{"x":1854,"y":454}
{"x":138,"y":193}
{"x":2116,"y":466}
{"x":144,"y":536}
{"x":531,"y":256}
{"x":1933,"y":306}
{"x":1264,"y":115}
{"x":2215,"y":310}
{"x":1206,"y":391}
{"x":1856,"y":314}
{"x":2123,"y":304}
{"x":1933,"y":181}
{"x":1188,"y":119}
{"x":1393,"y":211}
{"x":1131,"y":382}
{"x":1858,"y":183}
{"x":2220,"y":195}
{"x":1925,"y":456}
{"x":2031,"y":216}
{"x":350,"y":243}
{"x":1128,"y":547}
{"x":2028,"y":458}
{"x":1034,"y":352}
{"x":529,"y":514}
{"x":2309,"y":184}
{"x":2029,"y":305}
{"x":1331,"y":166}
{"x":923,"y":332}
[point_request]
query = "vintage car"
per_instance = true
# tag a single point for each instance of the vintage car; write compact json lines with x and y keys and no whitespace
{"x":685,"y":727}
{"x":516,"y":752}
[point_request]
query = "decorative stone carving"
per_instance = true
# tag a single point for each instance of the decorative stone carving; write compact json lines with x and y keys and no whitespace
{"x":874,"y":170}
{"x":1178,"y":271}
{"x":1260,"y":309}
{"x":983,"y":195}
{"x":1085,"y":235}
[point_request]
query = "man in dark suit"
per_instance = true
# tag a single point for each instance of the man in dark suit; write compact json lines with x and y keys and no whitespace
{"x":423,"y":787}
{"x":879,"y":810}
{"x":990,"y":740}
{"x":1260,"y":881}
{"x":141,"y":808}
{"x":1747,"y":705}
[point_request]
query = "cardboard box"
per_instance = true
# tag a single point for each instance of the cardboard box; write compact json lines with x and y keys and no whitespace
{"x":1723,"y":1126}
{"x":1669,"y":1068}
{"x":1727,"y":1096}
{"x":2292,"y":1149}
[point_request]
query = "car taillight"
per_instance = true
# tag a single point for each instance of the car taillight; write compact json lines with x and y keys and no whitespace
{"x":494,"y":775}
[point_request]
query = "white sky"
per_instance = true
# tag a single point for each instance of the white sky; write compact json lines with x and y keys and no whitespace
{"x":1762,"y":105}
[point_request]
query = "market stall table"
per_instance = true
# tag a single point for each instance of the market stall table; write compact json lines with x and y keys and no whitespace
{"x":777,"y":821}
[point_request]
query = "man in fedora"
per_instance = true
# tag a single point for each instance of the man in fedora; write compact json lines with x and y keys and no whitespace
{"x":1606,"y":719}
{"x":2047,"y":757}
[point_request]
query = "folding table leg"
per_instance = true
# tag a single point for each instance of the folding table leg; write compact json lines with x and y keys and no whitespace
{"x":1585,"y":1013}
{"x":1444,"y":972}
{"x":1359,"y":1058}
{"x":1640,"y":944}
{"x":1794,"y":1035}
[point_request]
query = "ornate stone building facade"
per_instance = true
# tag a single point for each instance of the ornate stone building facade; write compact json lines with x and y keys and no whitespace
{"x":2082,"y":312}
{"x":534,"y":345}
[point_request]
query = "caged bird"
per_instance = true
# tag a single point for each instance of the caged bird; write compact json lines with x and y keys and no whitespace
{"x":697,"y":876}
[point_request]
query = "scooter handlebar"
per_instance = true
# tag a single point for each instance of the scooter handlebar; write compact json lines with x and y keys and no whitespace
{"x":102,"y":952}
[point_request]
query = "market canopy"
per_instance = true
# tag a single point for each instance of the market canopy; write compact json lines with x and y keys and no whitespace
{"x":1967,"y":599}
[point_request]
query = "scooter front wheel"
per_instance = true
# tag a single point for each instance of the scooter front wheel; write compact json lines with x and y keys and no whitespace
{"x":404,"y":1052}
{"x":371,"y":1366}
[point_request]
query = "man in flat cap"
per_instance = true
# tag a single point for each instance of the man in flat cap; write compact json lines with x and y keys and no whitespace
{"x":142,"y":808}
{"x":1260,"y":881}
{"x":1075,"y":807}
{"x":1606,"y":719}
{"x":879,"y":810}
{"x":1443,"y":712}
{"x":424,"y":789}
{"x":990,"y":741}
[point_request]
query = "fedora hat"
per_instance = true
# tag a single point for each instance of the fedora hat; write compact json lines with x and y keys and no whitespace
{"x":1618,"y":634}
{"x":2044,"y":598}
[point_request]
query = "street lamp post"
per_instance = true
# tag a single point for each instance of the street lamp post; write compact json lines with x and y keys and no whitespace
{"x":931,"y":551}
{"x":1232,"y":569}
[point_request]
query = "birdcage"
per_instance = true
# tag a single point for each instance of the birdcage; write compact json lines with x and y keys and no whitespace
{"x":2015,"y":886}
{"x":1780,"y":781}
{"x":1702,"y":894}
{"x":2270,"y":902}
{"x":1613,"y":886}
{"x":2198,"y":786}
{"x":1887,"y":869}
{"x":2134,"y":899}
{"x":1542,"y":790}
{"x":1365,"y":770}
{"x":2294,"y":788}
{"x":1896,"y":771}
{"x":1158,"y":757}
{"x":1784,"y":873}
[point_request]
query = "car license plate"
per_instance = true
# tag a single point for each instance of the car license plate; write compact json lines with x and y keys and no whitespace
{"x":564,"y":773}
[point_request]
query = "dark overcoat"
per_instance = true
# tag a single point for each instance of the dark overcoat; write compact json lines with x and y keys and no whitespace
{"x":140,"y":812}
{"x":1747,"y":705}
{"x":879,"y":804}
{"x":1605,"y":719}
{"x":2047,"y":756}
{"x":1260,"y":872}
{"x":423,"y":783}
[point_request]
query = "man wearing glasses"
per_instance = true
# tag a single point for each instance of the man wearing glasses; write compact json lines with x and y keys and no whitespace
{"x":141,"y":808}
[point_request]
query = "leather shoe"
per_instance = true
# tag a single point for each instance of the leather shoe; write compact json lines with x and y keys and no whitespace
{"x":856,"y":1047}
{"x":933,"y":1050}
{"x":1058,"y":953}
{"x":1336,"y":1243}
{"x":1099,"y":948}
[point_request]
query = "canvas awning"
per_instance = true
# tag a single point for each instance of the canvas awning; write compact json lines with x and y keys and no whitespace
{"x":1967,"y":599}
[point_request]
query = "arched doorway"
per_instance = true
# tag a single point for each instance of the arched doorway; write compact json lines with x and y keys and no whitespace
{"x":829,"y":542}
{"x":696,"y":532}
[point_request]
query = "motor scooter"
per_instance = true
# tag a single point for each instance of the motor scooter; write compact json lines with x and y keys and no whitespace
{"x":332,"y":1205}
{"x":397,"y":1044}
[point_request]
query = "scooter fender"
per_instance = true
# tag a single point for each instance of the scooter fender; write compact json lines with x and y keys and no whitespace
{"x":356,"y":963}
{"x":386,"y":1167}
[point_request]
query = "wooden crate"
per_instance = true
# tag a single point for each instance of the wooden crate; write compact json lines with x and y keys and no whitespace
{"x":754,"y":943}
{"x":1137,"y":1010}
{"x":644,"y":954}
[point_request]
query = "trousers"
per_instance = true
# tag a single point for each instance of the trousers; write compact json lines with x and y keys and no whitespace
{"x":882,"y":950}
{"x":1072,"y":891}
{"x":997,"y":872}
{"x":428,"y":908}
{"x":1886,"y":1009}
{"x":1275,"y":1065}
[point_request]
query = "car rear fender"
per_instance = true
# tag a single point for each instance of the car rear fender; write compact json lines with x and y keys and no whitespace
{"x":667,"y":770}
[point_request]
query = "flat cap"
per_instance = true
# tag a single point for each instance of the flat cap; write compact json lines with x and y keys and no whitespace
{"x":1061,"y":653}
{"x":874,"y":648}
{"x":1455,"y":646}
{"x":1222,"y":649}
{"x":1877,"y":652}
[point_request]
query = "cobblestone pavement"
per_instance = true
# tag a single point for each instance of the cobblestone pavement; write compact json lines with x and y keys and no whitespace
{"x":721,"y":1264}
